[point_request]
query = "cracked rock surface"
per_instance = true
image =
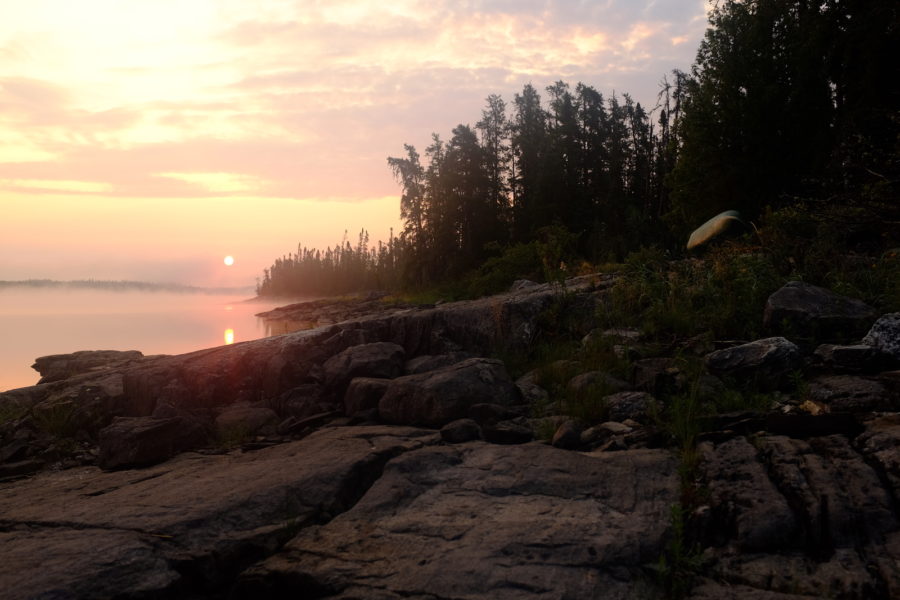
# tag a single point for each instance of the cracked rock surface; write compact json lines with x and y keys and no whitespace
{"x":811,"y":518}
{"x":184,"y":525}
{"x":478,"y":520}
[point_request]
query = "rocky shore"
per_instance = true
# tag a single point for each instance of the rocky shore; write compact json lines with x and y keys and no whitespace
{"x":390,"y":454}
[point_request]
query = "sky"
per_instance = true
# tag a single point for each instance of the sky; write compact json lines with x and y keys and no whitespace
{"x":148,"y":139}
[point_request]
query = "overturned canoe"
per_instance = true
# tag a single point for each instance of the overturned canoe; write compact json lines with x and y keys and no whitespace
{"x":728,"y":222}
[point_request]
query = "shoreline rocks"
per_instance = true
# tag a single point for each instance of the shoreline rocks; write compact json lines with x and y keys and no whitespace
{"x":57,"y":367}
{"x":435,"y":398}
{"x":386,"y":457}
{"x":767,"y":362}
{"x":803,"y":311}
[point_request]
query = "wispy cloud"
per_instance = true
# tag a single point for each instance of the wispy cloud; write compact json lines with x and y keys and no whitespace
{"x":316,"y":84}
{"x":291,"y":98}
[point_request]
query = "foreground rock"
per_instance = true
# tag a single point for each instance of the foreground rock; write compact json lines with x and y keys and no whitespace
{"x":62,"y":366}
{"x":806,"y":517}
{"x":144,"y":441}
{"x":436,"y":398}
{"x":379,"y":359}
{"x":185,"y":526}
{"x":857,"y":358}
{"x":809,"y":312}
{"x":485,"y":521}
{"x":845,"y":393}
{"x":766,"y":363}
{"x":885,"y":335}
{"x":265,"y":369}
{"x":796,"y":501}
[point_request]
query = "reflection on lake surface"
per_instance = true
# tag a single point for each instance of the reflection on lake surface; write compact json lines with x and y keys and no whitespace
{"x":37,"y":322}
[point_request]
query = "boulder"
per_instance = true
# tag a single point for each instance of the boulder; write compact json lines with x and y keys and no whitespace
{"x":62,"y":366}
{"x":848,"y":393}
{"x":20,"y":468}
{"x":295,"y":426}
{"x":246,"y":419}
{"x":379,"y":359}
{"x":885,"y":335}
{"x":595,"y":436}
{"x":435,"y":398}
{"x":144,"y":441}
{"x":459,"y":431}
{"x":517,"y":430}
{"x":489,"y":413}
{"x":531,"y":392}
{"x":363,"y":394}
{"x":523,"y":284}
{"x":597,"y":382}
{"x":723,"y":224}
{"x":858,"y":358}
{"x":628,"y":405}
{"x":568,"y":435}
{"x":301,"y":401}
{"x":765,"y":363}
{"x":808,"y":312}
{"x":430,"y":362}
{"x":15,"y":450}
{"x":88,"y":407}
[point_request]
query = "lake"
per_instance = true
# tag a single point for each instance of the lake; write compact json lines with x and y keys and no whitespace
{"x":36,"y":322}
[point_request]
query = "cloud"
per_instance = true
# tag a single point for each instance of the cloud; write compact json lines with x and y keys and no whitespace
{"x":306,"y":98}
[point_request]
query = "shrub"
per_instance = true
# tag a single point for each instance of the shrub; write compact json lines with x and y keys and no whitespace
{"x":723,"y":293}
{"x":834,"y":246}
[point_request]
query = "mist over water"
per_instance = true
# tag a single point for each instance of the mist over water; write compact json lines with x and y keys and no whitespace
{"x":36,"y":322}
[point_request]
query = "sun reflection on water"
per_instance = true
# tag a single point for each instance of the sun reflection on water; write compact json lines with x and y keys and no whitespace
{"x":229,"y":336}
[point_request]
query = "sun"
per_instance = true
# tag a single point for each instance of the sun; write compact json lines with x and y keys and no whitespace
{"x":229,"y":260}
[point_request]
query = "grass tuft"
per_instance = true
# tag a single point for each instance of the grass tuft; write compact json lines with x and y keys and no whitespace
{"x":56,"y":419}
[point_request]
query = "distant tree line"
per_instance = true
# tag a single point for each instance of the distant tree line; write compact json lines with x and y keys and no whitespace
{"x":788,"y":101}
{"x":338,"y":270}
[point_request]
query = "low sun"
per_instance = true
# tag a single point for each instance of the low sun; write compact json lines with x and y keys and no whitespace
{"x":229,"y":260}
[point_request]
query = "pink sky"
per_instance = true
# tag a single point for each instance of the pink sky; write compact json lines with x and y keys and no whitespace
{"x":147,"y":140}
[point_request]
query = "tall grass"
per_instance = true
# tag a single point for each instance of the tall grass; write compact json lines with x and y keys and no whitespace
{"x":723,"y":293}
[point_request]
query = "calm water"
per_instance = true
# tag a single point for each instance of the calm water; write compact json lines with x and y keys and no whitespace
{"x":35,"y":322}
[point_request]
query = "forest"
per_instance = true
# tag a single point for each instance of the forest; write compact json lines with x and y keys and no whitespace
{"x":789,"y":114}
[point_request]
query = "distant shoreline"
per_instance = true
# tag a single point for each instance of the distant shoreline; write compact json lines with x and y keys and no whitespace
{"x":126,"y":286}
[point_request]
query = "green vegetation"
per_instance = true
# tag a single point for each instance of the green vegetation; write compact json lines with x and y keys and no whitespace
{"x":56,"y":419}
{"x":787,"y":115}
{"x":720,"y":294}
{"x":680,"y":561}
